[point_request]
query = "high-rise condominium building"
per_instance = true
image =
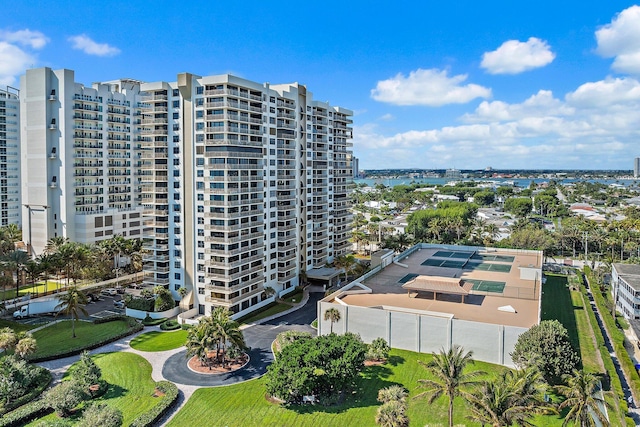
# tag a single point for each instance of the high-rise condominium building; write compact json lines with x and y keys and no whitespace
{"x":9,"y":157}
{"x":636,"y":167}
{"x":242,"y":185}
{"x":78,"y":153}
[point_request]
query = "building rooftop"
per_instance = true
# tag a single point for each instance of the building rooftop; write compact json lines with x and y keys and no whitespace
{"x":630,"y":273}
{"x":493,"y":277}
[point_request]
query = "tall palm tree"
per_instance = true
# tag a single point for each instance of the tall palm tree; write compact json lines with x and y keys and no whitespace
{"x":582,"y":400}
{"x":16,"y":261}
{"x":333,"y":315}
{"x":227,"y":331}
{"x":26,"y":345}
{"x":54,"y":244}
{"x":72,"y":303}
{"x":346,"y":263}
{"x":450,"y":379}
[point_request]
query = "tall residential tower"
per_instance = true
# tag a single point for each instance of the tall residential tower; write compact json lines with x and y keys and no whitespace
{"x":9,"y":157}
{"x":242,"y":185}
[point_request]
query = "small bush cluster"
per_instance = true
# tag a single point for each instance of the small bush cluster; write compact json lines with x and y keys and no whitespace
{"x":21,"y":382}
{"x":170,"y":397}
{"x":136,"y":303}
{"x":170,"y":325}
{"x":393,"y":410}
{"x":378,"y":350}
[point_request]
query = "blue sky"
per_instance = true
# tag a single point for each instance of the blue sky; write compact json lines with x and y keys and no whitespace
{"x":462,"y":84}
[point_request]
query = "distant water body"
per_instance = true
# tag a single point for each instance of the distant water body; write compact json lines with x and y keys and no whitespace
{"x":520,"y":182}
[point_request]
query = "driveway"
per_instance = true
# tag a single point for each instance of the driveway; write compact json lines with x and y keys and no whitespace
{"x":258,"y":338}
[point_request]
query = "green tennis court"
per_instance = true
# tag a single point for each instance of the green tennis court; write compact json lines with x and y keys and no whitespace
{"x":447,"y":263}
{"x":487,"y":266}
{"x":486,"y":285}
{"x":453,"y":254}
{"x":408,"y":277}
{"x":501,"y":258}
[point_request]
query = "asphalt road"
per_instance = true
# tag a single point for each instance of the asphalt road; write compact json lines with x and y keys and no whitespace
{"x":258,"y":338}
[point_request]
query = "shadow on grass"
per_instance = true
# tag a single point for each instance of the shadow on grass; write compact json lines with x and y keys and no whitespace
{"x":114,"y":391}
{"x":363,"y":394}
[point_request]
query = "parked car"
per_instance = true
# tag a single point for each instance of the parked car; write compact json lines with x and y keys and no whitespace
{"x":109,"y":291}
{"x":119,"y":289}
{"x":118,"y":304}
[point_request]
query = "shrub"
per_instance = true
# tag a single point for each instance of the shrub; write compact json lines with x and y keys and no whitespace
{"x":64,"y":397}
{"x":21,"y":382}
{"x":378,"y":349}
{"x":86,"y":373}
{"x":323,"y":366}
{"x":392,"y":414}
{"x":170,"y":397}
{"x":164,"y":300}
{"x":100,"y":414}
{"x":26,"y":413}
{"x":547,"y":348}
{"x":288,"y":337}
{"x":170,"y":325}
{"x":142,"y":304}
{"x":148,"y":321}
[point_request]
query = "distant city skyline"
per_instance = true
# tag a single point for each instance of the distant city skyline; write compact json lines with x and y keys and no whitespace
{"x":551,"y":85}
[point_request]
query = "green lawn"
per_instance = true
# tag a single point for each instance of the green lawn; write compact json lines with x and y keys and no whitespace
{"x":16,"y":326}
{"x":38,"y":288}
{"x":295,"y":295}
{"x":130,"y":385}
{"x":159,"y":341}
{"x":269,"y":310}
{"x":245,"y":405}
{"x":559,"y":303}
{"x":57,"y":337}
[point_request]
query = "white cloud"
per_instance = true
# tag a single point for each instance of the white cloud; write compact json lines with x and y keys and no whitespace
{"x":514,"y":57}
{"x":387,"y":117}
{"x":14,"y":59}
{"x":26,"y":37}
{"x":87,"y":45}
{"x":621,"y":40}
{"x":13,"y":62}
{"x":606,"y":92}
{"x":595,"y":126}
{"x":428,"y":87}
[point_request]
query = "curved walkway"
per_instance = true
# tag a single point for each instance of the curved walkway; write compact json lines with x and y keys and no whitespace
{"x":171,"y":365}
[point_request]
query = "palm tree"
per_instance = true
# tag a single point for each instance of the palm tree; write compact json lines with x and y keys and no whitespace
{"x":26,"y":345}
{"x":392,"y":414}
{"x":199,"y":341}
{"x":512,"y":398}
{"x":72,"y":303}
{"x":8,"y":339}
{"x":392,"y":393}
{"x":448,"y":370}
{"x":227,"y":330}
{"x":16,"y":260}
{"x":582,"y":399}
{"x":333,"y":315}
{"x":346,"y":263}
{"x":54,"y":244}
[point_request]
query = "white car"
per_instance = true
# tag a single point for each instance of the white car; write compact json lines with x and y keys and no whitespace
{"x":109,"y":291}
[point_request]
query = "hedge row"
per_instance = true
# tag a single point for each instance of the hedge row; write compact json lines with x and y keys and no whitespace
{"x":170,"y":325}
{"x":133,"y":328}
{"x":148,"y":321}
{"x":43,"y":378}
{"x":26,"y":413}
{"x":154,"y":414}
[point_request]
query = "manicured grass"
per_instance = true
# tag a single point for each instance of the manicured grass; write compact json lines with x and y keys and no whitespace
{"x":569,"y":309}
{"x":130,"y":385}
{"x":35,"y":289}
{"x":245,"y":404}
{"x":295,"y":295}
{"x":57,"y":338}
{"x":16,"y":326}
{"x":269,"y":310}
{"x":159,"y":341}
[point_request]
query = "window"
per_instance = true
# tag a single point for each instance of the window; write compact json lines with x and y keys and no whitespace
{"x":176,"y":92}
{"x":199,"y":126}
{"x":176,"y":162}
{"x":199,"y":114}
{"x":199,"y":90}
{"x":176,"y":173}
{"x":177,"y":277}
{"x":175,"y":104}
{"x":177,"y":242}
{"x":176,"y":264}
{"x":199,"y":102}
{"x":177,"y":285}
{"x":176,"y":116}
{"x":176,"y":230}
{"x":177,"y":253}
